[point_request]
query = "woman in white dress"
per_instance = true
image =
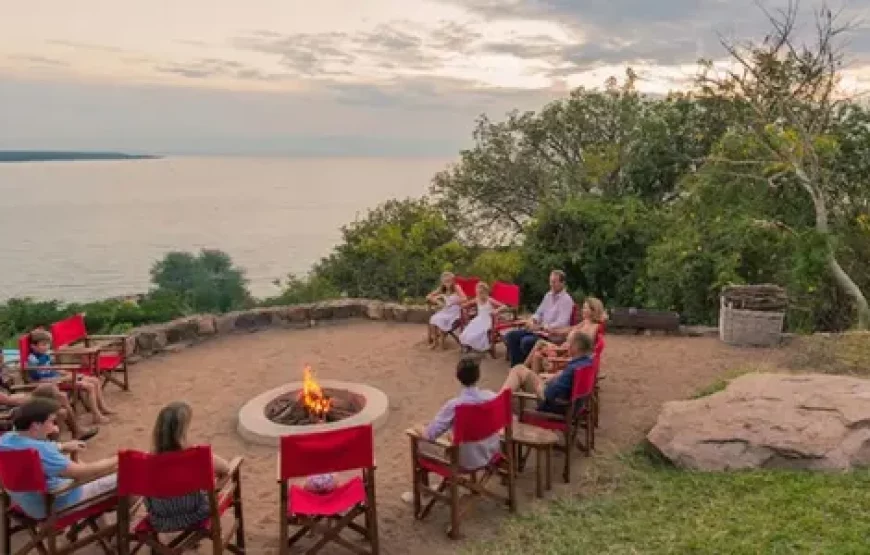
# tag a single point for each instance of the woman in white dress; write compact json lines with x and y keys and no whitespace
{"x":475,"y":336}
{"x":449,"y":297}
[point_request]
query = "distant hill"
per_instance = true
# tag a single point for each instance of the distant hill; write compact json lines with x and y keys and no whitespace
{"x":56,"y":155}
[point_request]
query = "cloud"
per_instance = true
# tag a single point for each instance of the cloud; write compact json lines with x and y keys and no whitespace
{"x":87,"y":46}
{"x":206,"y":68}
{"x":39,"y":60}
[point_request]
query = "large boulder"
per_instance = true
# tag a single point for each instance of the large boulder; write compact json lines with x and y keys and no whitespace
{"x":818,"y":422}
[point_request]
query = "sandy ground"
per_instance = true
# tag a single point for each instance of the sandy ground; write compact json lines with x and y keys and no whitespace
{"x":218,"y":377}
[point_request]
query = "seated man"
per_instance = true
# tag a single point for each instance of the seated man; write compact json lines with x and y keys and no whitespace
{"x":553,"y":313}
{"x":34,"y":422}
{"x":471,"y":455}
{"x":10,"y":400}
{"x":551,"y":388}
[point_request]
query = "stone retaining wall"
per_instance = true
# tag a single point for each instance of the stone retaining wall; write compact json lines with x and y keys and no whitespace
{"x":171,"y":336}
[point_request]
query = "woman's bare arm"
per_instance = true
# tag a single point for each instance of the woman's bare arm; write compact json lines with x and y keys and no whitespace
{"x":221,"y":466}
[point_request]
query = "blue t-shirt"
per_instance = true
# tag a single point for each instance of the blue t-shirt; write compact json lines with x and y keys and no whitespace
{"x":561,"y":385}
{"x":34,"y":361}
{"x":53,"y":463}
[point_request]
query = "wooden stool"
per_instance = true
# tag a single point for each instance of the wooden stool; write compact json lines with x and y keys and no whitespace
{"x":540,"y":441}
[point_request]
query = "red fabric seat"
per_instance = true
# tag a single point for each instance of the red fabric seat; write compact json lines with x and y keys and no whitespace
{"x":108,"y":361}
{"x":444,"y":470}
{"x":544,"y":422}
{"x":344,"y":497}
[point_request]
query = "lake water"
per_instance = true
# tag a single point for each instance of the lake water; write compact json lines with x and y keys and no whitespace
{"x":87,"y":230}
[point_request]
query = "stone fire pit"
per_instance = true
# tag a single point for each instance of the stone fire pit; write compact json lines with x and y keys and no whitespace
{"x":370,"y":407}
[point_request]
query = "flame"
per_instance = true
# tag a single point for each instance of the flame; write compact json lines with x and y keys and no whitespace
{"x":312,"y":396}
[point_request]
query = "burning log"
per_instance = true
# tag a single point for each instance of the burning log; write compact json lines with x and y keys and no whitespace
{"x":312,"y":405}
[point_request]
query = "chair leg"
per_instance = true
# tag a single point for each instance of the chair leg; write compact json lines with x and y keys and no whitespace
{"x":283,"y":539}
{"x":239,"y":515}
{"x":453,"y":531}
{"x":372,"y":516}
{"x":566,"y":473}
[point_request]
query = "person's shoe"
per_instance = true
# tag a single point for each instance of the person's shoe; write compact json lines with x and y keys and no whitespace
{"x":88,"y":434}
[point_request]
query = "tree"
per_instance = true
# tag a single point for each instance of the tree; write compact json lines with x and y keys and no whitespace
{"x":785,"y":95}
{"x":206,"y":282}
{"x":396,"y":251}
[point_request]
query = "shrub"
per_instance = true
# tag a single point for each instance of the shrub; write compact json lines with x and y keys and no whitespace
{"x":308,"y":290}
{"x":207,"y":282}
{"x":497,"y":265}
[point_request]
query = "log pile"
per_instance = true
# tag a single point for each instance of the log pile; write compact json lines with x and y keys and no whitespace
{"x":761,"y":298}
{"x":289,"y":410}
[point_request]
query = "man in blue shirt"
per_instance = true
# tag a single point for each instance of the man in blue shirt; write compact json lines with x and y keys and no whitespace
{"x":35,"y":421}
{"x":548,"y":387}
{"x":554,"y":312}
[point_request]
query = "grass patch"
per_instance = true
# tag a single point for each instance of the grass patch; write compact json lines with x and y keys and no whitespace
{"x":722,"y":382}
{"x":662,"y":510}
{"x":847,"y":354}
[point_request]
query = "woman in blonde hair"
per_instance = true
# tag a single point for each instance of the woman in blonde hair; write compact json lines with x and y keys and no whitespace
{"x":592,"y":315}
{"x":449,"y":297}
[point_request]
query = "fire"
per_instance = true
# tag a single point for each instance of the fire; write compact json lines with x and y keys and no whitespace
{"x":312,"y":396}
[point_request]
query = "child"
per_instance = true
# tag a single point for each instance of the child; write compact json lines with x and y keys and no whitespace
{"x":475,"y":336}
{"x":450,"y":297}
{"x":39,"y":369}
{"x":173,"y":514}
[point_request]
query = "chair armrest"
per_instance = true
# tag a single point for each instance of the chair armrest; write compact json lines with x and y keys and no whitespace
{"x":77,"y":350}
{"x":525,"y":396}
{"x":416,"y":435}
{"x":544,"y":415}
{"x":78,"y":483}
{"x":23,"y":388}
{"x":233,"y":471}
{"x":66,"y":367}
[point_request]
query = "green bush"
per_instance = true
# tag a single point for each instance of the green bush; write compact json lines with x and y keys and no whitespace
{"x":600,"y":244}
{"x":497,"y":265}
{"x":207,"y":282}
{"x":397,"y":251}
{"x":308,"y":290}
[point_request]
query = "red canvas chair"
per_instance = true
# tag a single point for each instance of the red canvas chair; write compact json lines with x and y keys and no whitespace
{"x":558,"y":361}
{"x":350,"y":449}
{"x":579,"y":412}
{"x":21,"y":471}
{"x":473,"y":422}
{"x":176,"y":474}
{"x":509,"y":295}
{"x":104,"y":354}
{"x":70,"y":387}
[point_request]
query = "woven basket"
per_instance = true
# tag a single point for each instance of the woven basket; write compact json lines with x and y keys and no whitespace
{"x":749,"y":327}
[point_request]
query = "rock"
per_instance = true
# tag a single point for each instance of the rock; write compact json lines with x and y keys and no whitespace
{"x":226,"y":323}
{"x":814,"y":421}
{"x":183,"y":329}
{"x":206,"y":324}
{"x":418,"y":314}
{"x":299,"y":313}
{"x":150,"y":339}
{"x":395,"y":312}
{"x":253,"y":319}
{"x":374,"y":310}
{"x":321,"y":311}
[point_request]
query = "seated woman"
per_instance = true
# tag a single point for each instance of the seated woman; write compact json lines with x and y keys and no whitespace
{"x":449,"y":297}
{"x":173,"y":514}
{"x":592,"y":315}
{"x":39,"y":370}
{"x":475,"y":336}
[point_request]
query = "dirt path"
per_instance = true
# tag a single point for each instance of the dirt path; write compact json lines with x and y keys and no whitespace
{"x":218,"y":377}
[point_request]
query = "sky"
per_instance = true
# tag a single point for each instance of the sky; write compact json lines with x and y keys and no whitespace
{"x":341,"y":77}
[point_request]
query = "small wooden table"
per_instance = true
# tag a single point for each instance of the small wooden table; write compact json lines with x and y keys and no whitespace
{"x":540,"y":441}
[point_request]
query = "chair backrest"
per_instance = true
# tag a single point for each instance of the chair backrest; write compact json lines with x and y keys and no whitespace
{"x":506,"y":293}
{"x":468,"y":285}
{"x":575,"y":315}
{"x":326,"y":452}
{"x":68,"y":330}
{"x":165,"y":474}
{"x":23,"y":350}
{"x":21,"y":471}
{"x":583,"y":382}
{"x":476,"y":422}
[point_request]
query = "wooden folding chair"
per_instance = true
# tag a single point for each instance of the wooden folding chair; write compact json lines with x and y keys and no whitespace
{"x":21,"y":471}
{"x":102,"y":355}
{"x":578,"y":413}
{"x":558,"y":361}
{"x":176,"y":474}
{"x":328,"y":514}
{"x":70,"y":387}
{"x":473,"y":422}
{"x":509,"y":295}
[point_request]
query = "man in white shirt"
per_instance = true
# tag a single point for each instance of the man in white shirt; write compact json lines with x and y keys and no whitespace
{"x":554,"y":312}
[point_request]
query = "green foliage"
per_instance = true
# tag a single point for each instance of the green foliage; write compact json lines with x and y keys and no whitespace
{"x":207,"y":282}
{"x":497,"y":265}
{"x":397,"y":251}
{"x":304,"y":290}
{"x":599,"y":243}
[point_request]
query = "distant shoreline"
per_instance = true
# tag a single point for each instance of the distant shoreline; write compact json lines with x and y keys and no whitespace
{"x":67,"y":156}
